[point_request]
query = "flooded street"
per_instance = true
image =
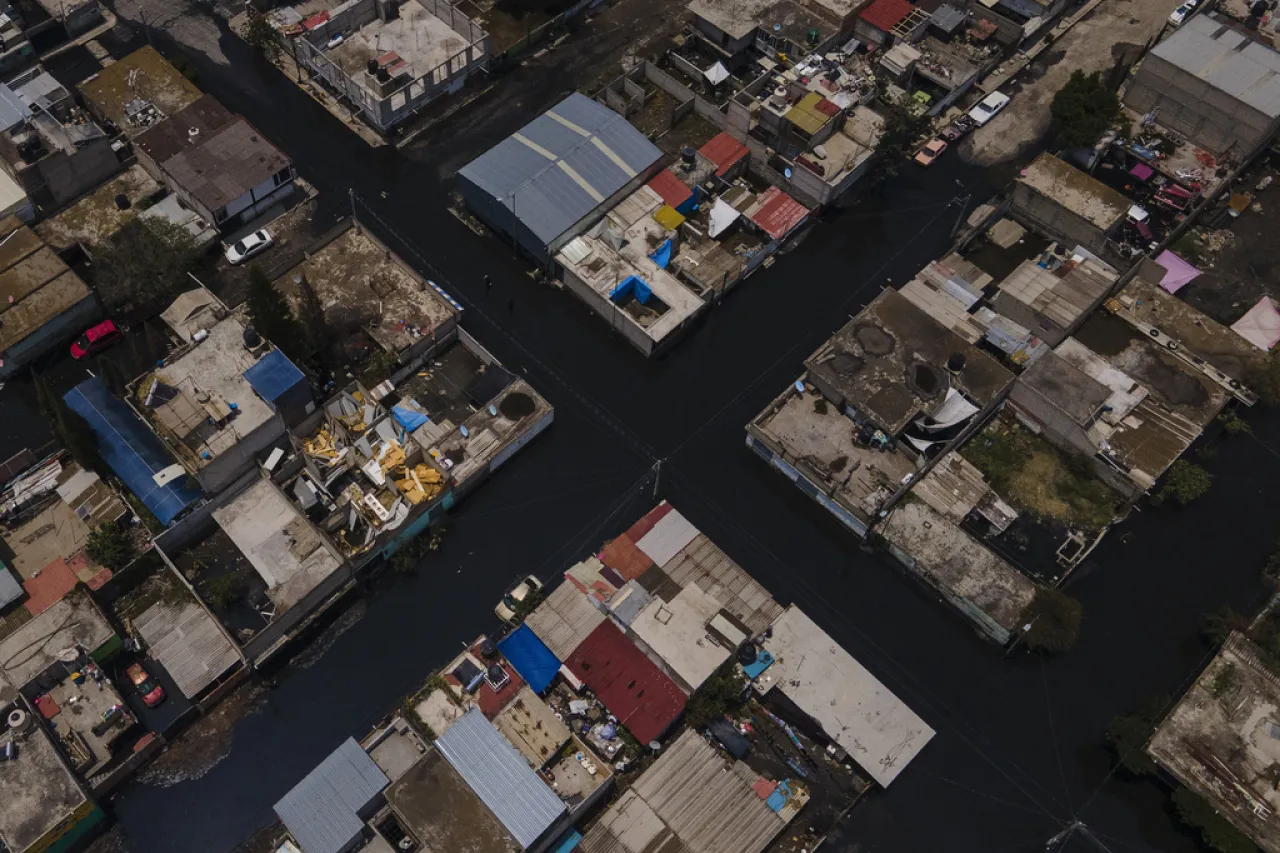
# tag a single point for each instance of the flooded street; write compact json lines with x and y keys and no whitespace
{"x":1019,"y":752}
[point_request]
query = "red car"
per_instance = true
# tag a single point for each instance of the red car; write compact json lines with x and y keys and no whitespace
{"x":96,"y":339}
{"x":152,"y":693}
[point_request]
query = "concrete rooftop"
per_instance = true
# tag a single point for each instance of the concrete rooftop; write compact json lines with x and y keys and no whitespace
{"x":355,"y":274}
{"x":72,"y":621}
{"x":143,"y":74}
{"x":35,"y":285}
{"x":216,"y":365}
{"x":94,"y":218}
{"x":890,"y":363}
{"x":1222,"y":742}
{"x":421,"y":39}
{"x":37,"y":791}
{"x":676,"y":631}
{"x":1085,"y":196}
{"x":444,"y":813}
{"x":284,"y":548}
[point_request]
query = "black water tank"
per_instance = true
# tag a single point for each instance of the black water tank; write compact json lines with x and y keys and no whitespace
{"x":689,"y":156}
{"x":955,"y":363}
{"x":251,"y":337}
{"x":372,"y":66}
{"x":383,"y":75}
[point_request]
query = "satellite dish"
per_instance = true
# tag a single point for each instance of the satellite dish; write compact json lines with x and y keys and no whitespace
{"x":787,"y":172}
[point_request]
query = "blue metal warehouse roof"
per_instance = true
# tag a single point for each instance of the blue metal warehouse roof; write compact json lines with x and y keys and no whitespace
{"x":273,"y":375}
{"x":131,"y":449}
{"x":500,"y":776}
{"x":531,"y":658}
{"x":559,"y":167}
{"x":323,"y":810}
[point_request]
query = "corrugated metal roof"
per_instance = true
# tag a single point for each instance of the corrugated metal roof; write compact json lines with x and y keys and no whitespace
{"x":562,"y":165}
{"x":672,"y":190}
{"x":694,"y":790}
{"x":1228,"y":60}
{"x":723,"y":150}
{"x":187,"y":643}
{"x":631,"y":826}
{"x":777,"y":213}
{"x":702,"y":562}
{"x":564,"y":619}
{"x":886,"y":14}
{"x":12,"y":110}
{"x":630,"y":685}
{"x":322,"y":812}
{"x":10,"y":589}
{"x":667,"y":537}
{"x":499,"y":775}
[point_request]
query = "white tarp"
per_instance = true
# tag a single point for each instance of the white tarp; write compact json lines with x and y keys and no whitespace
{"x":716,"y":74}
{"x":953,"y":410}
{"x":723,"y":215}
{"x":1261,"y":326}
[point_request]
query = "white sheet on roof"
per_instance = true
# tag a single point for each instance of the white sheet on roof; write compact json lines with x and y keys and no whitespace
{"x":723,"y":215}
{"x":1261,"y":326}
{"x":667,"y":537}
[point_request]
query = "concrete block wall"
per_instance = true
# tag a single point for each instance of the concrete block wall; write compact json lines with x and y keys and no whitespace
{"x":1204,"y":114}
{"x":1056,"y":221}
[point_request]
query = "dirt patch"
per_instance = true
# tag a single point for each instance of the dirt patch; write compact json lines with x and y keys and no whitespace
{"x":199,"y":749}
{"x":1108,"y":37}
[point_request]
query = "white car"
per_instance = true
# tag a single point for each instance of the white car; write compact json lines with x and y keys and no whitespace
{"x":508,"y":608}
{"x":986,"y":109}
{"x":248,"y":246}
{"x":1180,"y":14}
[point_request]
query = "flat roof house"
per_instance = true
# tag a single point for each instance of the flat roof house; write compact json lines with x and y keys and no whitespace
{"x":138,"y":91}
{"x":1213,"y":82}
{"x":1067,"y":204}
{"x":548,"y":182}
{"x":45,"y":807}
{"x":215,"y":408}
{"x":43,"y":303}
{"x":1219,"y":740}
{"x":849,"y":706}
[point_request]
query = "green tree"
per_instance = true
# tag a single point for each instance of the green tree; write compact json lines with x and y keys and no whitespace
{"x":1054,"y":620}
{"x":109,"y":546}
{"x":1264,"y":379}
{"x":1082,"y":110}
{"x":1127,"y":734}
{"x":144,"y":262}
{"x":1219,"y":624}
{"x":1233,"y":424}
{"x":261,"y":36}
{"x":1216,"y":831}
{"x":271,"y":317}
{"x":1185,"y":482}
{"x":721,"y":694}
{"x":902,"y":128}
{"x":223,"y":591}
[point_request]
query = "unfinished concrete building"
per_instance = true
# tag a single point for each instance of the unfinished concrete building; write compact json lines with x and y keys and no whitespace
{"x":390,"y":58}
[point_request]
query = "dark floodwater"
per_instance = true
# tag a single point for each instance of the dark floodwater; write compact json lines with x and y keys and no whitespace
{"x":1019,"y":750}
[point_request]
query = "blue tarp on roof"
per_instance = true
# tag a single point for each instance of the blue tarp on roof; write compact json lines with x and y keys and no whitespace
{"x":662,"y":256}
{"x":569,"y":842}
{"x":531,"y":658}
{"x":131,"y":449}
{"x":273,"y":375}
{"x":408,"y":418}
{"x":557,"y":169}
{"x":631,"y":284}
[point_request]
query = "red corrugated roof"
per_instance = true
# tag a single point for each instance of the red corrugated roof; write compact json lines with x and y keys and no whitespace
{"x":724,"y":151}
{"x":647,"y":522}
{"x":625,"y":558}
{"x":778,"y":213}
{"x":630,"y":685}
{"x":673,"y":191}
{"x":315,"y":20}
{"x":886,"y":14}
{"x":827,"y":108}
{"x":49,"y":586}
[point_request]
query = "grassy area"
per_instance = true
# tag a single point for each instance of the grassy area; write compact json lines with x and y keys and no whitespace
{"x":1036,"y":477}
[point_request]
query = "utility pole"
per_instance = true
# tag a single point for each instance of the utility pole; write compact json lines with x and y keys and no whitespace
{"x":657,"y":475}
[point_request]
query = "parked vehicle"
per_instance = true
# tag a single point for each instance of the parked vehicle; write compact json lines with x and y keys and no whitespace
{"x":96,"y":339}
{"x":958,"y":129}
{"x":931,"y":151}
{"x":986,"y":109}
{"x":148,"y":688}
{"x":1179,"y":15}
{"x":508,"y":608}
{"x":250,"y":245}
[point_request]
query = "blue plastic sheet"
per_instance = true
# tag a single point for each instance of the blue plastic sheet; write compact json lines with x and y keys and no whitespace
{"x":408,"y":418}
{"x":632,"y":285}
{"x":531,"y":658}
{"x":662,"y":256}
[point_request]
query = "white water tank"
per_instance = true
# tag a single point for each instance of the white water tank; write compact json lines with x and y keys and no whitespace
{"x":20,"y":721}
{"x":779,"y":98}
